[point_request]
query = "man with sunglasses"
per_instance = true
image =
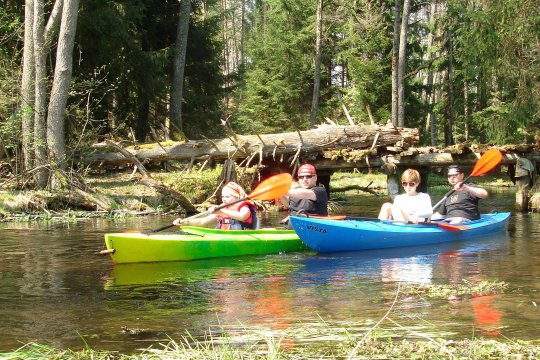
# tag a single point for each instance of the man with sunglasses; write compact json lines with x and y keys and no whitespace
{"x":307,"y":197}
{"x":462,"y":205}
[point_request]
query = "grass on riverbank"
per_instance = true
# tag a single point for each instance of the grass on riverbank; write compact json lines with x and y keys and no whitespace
{"x":257,"y":345}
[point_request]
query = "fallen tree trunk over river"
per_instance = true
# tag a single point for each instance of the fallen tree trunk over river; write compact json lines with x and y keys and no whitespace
{"x":293,"y":144}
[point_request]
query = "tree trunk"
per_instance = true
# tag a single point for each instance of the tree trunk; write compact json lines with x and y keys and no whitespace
{"x":226,"y":52}
{"x":142,"y":123}
{"x":40,"y":129}
{"x":402,"y":62}
{"x":448,"y":127}
{"x":61,"y":85}
{"x":243,"y":34}
{"x":53,"y":24}
{"x":317,"y":79}
{"x":429,"y":93}
{"x":28,"y":87}
{"x":286,"y":146}
{"x":466,"y":109}
{"x":180,"y":64}
{"x":395,"y":59}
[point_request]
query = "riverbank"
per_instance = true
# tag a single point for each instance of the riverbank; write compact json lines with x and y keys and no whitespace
{"x":135,"y":199}
{"x":331,"y":344}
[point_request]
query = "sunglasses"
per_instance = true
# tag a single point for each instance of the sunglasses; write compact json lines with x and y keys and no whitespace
{"x":453,"y":175}
{"x":411,"y":184}
{"x":305,"y":176}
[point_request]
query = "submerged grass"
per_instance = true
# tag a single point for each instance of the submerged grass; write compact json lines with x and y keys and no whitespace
{"x":456,"y":290}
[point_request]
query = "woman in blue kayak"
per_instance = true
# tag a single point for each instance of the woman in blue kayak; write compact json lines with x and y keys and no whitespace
{"x":412,"y":205}
{"x":239,"y":216}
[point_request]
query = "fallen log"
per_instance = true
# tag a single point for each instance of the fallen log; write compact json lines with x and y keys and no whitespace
{"x":315,"y":141}
{"x":152,"y":183}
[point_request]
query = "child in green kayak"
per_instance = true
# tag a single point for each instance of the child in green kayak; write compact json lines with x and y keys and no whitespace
{"x":239,"y":216}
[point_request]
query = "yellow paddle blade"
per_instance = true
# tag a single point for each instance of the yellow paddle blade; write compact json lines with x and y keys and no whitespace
{"x":487,"y":162}
{"x":272,"y":188}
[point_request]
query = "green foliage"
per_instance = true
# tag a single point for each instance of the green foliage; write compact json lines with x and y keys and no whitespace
{"x":127,"y":50}
{"x":496,"y":51}
{"x":203,"y":85}
{"x":279,"y":75}
{"x":365,"y":46}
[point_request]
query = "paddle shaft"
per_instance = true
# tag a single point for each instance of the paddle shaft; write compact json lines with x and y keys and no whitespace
{"x":207,"y":212}
{"x":436,"y":223}
{"x":449,"y":193}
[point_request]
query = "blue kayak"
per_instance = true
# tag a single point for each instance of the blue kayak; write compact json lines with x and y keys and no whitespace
{"x":353,"y":234}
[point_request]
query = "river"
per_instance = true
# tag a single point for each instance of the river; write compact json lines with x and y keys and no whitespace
{"x":56,"y":290}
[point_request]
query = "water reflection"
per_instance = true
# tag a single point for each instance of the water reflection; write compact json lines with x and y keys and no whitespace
{"x":54,"y":287}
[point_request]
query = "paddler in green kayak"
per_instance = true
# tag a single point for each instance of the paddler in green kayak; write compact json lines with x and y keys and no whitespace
{"x":239,"y":216}
{"x":306,"y":197}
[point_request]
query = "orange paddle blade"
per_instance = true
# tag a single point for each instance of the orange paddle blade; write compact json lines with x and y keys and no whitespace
{"x":487,"y":162}
{"x":328,"y":217}
{"x":451,"y":227}
{"x":272,"y":188}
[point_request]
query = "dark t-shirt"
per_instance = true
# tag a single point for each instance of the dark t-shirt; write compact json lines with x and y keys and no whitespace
{"x":461,"y":204}
{"x":311,"y":207}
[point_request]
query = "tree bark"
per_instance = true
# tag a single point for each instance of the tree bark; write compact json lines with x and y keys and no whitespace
{"x":466,"y":109}
{"x":274,"y":146}
{"x":40,"y":128}
{"x":395,"y":59}
{"x":53,"y":24}
{"x":180,"y":63}
{"x":317,"y":78}
{"x":448,"y":136}
{"x":28,"y":87}
{"x":402,"y":62}
{"x":61,"y":85}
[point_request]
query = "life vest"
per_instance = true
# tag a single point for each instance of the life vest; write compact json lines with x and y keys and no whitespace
{"x":251,"y":222}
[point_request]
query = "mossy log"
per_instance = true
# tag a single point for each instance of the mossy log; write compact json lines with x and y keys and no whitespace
{"x":152,"y":183}
{"x":315,"y":141}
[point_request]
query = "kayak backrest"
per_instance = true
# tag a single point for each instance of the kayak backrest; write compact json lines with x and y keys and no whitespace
{"x":256,"y":223}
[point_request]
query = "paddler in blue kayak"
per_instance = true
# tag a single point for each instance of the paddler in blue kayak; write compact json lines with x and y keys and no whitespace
{"x":306,"y":197}
{"x":412,"y":205}
{"x":462,"y":205}
{"x":239,"y":216}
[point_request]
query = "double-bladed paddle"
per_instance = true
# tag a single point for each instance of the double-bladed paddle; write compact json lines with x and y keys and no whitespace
{"x":271,"y":188}
{"x":487,"y":162}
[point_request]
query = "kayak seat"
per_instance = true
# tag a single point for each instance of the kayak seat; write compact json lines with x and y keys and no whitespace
{"x":257,"y":223}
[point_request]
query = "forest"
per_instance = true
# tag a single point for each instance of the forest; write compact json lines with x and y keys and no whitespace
{"x":73,"y":73}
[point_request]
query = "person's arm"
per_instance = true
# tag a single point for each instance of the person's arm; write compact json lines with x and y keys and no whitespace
{"x":424,"y":209}
{"x":300,"y":193}
{"x":473,"y":190}
{"x":197,"y":221}
{"x":241,"y":214}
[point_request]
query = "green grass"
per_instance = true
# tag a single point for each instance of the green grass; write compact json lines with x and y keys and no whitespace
{"x":333,"y":344}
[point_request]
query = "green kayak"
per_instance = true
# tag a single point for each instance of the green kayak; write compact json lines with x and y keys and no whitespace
{"x":199,"y":243}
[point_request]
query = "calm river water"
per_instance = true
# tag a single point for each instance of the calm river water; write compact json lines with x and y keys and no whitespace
{"x":55,"y":289}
